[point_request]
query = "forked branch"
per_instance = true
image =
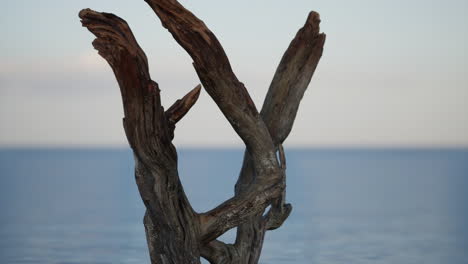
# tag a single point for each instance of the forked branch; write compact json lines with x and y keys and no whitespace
{"x":215,"y":72}
{"x":170,"y":222}
{"x":279,"y":110}
{"x":144,"y":116}
{"x":175,"y":233}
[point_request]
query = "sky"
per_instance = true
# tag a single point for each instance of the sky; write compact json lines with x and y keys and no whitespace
{"x":393,"y":73}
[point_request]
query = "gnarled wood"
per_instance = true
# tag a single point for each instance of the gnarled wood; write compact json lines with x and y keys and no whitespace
{"x":175,"y":232}
{"x":217,"y":252}
{"x":279,"y":110}
{"x":171,"y":224}
{"x":180,"y":108}
{"x":218,"y":79}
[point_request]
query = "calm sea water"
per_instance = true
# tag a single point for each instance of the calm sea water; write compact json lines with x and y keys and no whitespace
{"x":350,"y":206}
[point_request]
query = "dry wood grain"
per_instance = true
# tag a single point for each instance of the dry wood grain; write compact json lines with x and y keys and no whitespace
{"x":175,"y":232}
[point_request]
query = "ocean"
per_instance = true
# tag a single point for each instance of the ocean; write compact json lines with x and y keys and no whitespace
{"x":353,"y":206}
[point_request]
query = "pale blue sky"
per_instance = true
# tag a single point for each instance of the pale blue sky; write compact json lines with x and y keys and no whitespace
{"x":393,"y":72}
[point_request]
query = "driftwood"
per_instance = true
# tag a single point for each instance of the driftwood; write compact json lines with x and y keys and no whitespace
{"x":175,"y":232}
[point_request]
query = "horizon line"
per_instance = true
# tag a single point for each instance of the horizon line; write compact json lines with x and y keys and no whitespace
{"x":239,"y":147}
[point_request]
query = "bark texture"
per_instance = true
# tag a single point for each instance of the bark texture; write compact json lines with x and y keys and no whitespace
{"x":175,"y":232}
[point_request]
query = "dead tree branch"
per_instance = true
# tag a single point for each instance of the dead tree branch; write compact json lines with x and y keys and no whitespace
{"x":175,"y":232}
{"x":279,"y":110}
{"x":218,"y":79}
{"x":170,"y":221}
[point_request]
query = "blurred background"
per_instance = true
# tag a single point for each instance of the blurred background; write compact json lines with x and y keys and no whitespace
{"x":377,"y":159}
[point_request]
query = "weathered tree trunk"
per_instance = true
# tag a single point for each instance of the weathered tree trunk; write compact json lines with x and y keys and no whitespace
{"x":175,"y":232}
